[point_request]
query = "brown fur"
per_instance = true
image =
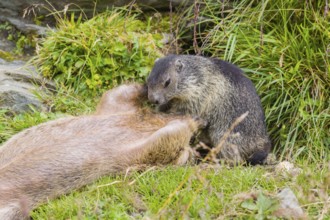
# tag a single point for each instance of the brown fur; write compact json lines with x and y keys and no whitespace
{"x":57,"y":157}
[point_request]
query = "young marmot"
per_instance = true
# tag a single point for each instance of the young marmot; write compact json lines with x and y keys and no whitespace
{"x":56,"y":157}
{"x":217,"y":92}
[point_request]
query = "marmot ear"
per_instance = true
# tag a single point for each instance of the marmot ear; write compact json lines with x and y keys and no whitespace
{"x":178,"y":65}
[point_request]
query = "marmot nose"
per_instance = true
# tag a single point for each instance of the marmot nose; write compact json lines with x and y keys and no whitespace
{"x":153,"y":99}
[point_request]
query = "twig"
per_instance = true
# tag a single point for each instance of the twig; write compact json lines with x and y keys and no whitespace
{"x":315,"y":203}
{"x":211,"y":156}
{"x":196,"y":13}
{"x":142,"y":174}
{"x":325,"y":209}
{"x":327,"y":55}
{"x":126,"y":174}
{"x":129,"y":9}
{"x":171,"y":15}
{"x":109,"y":184}
{"x":222,"y":9}
{"x":262,"y":29}
{"x":168,"y":200}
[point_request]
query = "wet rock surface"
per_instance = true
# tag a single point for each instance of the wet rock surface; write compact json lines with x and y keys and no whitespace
{"x":18,"y":83}
{"x":14,"y":8}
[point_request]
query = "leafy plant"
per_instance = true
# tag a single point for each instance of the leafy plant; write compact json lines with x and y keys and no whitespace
{"x":283,"y":46}
{"x":102,"y":52}
{"x":262,"y":207}
{"x":22,"y":41}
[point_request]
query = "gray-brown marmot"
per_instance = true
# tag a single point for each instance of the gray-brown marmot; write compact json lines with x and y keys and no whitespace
{"x":56,"y":157}
{"x":217,"y":92}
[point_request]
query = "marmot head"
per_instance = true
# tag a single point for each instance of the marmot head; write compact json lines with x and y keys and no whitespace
{"x":163,"y":80}
{"x":173,"y":77}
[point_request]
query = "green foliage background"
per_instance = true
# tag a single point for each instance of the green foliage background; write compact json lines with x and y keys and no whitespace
{"x":284,"y":47}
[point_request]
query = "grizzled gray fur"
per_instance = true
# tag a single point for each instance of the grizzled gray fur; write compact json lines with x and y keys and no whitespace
{"x":217,"y":92}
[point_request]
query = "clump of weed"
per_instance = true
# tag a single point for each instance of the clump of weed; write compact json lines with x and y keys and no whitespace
{"x":6,"y":56}
{"x":91,"y":56}
{"x":283,"y":46}
{"x":23,"y":42}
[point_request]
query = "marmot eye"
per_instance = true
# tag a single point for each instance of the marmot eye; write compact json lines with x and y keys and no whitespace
{"x":167,"y":83}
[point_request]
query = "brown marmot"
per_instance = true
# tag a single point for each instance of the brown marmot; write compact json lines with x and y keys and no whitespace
{"x":217,"y":92}
{"x":56,"y":157}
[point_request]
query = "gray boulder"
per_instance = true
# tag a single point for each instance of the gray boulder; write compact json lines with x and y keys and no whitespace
{"x":15,"y":8}
{"x":18,"y":83}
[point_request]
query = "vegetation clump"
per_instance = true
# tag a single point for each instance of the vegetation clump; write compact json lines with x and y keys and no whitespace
{"x":24,"y":43}
{"x":99,"y":53}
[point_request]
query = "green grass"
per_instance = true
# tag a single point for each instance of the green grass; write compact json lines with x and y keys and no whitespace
{"x":188,"y":192}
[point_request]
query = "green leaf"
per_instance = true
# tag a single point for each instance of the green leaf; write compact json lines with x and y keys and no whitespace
{"x":249,"y":204}
{"x":119,"y":47}
{"x":79,"y":63}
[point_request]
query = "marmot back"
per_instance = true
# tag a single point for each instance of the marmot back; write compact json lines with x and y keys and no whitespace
{"x":215,"y":91}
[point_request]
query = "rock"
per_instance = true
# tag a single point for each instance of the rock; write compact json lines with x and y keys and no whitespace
{"x":285,"y":205}
{"x":6,"y":45}
{"x":289,"y":206}
{"x":14,"y":8}
{"x":17,"y":84}
{"x":27,"y":28}
{"x":287,"y":168}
